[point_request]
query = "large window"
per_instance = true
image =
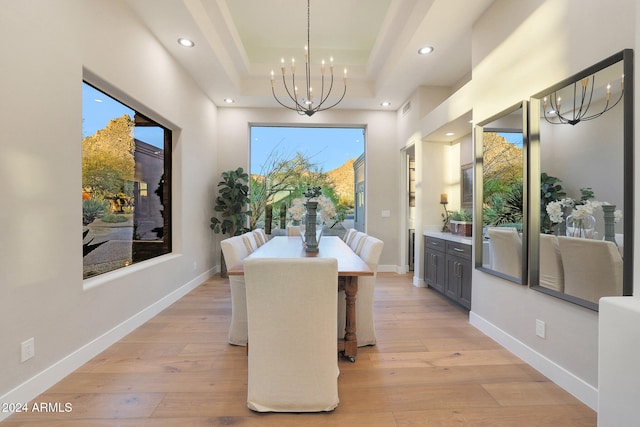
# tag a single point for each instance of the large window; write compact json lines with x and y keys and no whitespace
{"x":285,"y":161}
{"x":126,"y":185}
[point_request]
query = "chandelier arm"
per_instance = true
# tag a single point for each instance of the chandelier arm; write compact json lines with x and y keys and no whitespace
{"x":584,"y":90}
{"x":554,"y":104}
{"x":606,"y":108}
{"x":279,"y":102}
{"x":293,"y":98}
{"x":337,"y":102}
{"x":322,"y":97}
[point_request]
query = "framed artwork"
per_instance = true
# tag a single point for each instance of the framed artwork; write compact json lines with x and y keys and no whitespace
{"x":466,"y":185}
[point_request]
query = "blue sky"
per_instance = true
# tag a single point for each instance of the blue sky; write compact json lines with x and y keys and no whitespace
{"x":329,"y":148}
{"x":98,"y":109}
{"x":514,"y":138}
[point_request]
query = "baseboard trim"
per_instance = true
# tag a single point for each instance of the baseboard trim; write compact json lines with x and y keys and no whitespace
{"x":387,"y":268}
{"x":583,"y":391}
{"x":418,"y":282}
{"x":45,"y":379}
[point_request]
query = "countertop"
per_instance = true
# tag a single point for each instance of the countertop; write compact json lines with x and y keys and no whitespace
{"x":448,"y":236}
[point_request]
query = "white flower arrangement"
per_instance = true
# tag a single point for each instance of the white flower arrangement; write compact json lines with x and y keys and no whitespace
{"x":326,"y":207}
{"x":297,"y":210}
{"x":580,"y":211}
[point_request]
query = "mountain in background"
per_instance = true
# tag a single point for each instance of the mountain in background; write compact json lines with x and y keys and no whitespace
{"x":342,"y":179}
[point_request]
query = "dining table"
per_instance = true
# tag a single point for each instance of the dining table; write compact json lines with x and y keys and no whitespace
{"x":350,"y":267}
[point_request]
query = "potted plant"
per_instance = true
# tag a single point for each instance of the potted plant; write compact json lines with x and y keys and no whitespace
{"x":461,"y":222}
{"x":231,"y":205}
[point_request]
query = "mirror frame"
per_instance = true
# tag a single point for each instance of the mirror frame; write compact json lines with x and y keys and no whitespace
{"x":626,"y":56}
{"x":479,"y":191}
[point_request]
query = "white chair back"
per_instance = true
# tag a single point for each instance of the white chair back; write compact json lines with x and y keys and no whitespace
{"x":357,"y":241}
{"x":294,"y":230}
{"x":293,"y":361}
{"x":234,"y":250}
{"x":260,"y":240}
{"x":250,"y":241}
{"x":365,"y":321}
{"x":506,"y":251}
{"x":348,"y":235}
{"x":551,"y":269}
{"x":592,"y":268}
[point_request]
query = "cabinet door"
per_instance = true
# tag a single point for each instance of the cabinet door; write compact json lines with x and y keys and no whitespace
{"x":434,"y":269}
{"x":464,"y":296}
{"x":452,"y":285}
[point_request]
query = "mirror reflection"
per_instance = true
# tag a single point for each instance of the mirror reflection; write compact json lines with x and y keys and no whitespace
{"x":502,"y":210}
{"x":582,"y":187}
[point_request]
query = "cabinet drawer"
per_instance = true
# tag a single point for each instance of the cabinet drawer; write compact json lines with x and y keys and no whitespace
{"x":434,"y":243}
{"x":459,"y":249}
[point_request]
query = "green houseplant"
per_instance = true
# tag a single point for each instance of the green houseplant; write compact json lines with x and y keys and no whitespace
{"x":461,"y":222}
{"x":231,"y":206}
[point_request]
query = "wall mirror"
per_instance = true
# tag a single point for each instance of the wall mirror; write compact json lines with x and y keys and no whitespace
{"x":582,"y":205}
{"x":500,"y":234}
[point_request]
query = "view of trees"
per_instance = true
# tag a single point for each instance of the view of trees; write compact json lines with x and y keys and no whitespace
{"x":503,"y":191}
{"x":285,"y":176}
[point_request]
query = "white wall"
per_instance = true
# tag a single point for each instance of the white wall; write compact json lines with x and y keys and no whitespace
{"x":43,"y":294}
{"x":383,"y":160}
{"x":539,"y":45}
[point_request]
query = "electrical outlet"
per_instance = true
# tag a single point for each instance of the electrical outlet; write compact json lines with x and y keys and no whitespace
{"x":28,"y":349}
{"x":541,"y":329}
{"x":195,"y":265}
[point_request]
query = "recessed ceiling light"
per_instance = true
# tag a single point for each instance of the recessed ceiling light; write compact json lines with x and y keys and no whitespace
{"x":229,"y":100}
{"x":425,"y":50}
{"x":449,"y":134}
{"x":385,"y":104}
{"x":185,"y":42}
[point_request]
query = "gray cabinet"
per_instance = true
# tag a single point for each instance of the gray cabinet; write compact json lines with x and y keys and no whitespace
{"x":434,"y":263}
{"x":447,"y":268}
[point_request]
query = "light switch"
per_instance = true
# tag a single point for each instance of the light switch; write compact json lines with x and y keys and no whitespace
{"x":386,"y":214}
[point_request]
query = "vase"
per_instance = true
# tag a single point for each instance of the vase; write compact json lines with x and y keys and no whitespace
{"x":609,"y":220}
{"x":310,"y":220}
{"x":582,"y":226}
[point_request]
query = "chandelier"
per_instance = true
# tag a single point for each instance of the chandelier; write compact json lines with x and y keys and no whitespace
{"x":582,"y":97}
{"x":306,"y":102}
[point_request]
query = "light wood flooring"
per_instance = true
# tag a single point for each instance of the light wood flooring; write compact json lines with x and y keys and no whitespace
{"x":429,"y":368}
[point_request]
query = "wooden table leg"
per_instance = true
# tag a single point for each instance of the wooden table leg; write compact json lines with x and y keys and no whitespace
{"x":350,"y":338}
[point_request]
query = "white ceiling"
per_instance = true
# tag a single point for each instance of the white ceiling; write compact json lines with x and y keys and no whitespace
{"x":238,"y":43}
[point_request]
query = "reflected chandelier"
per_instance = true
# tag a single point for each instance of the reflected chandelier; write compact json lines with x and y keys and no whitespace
{"x":584,"y":98}
{"x":305,"y":103}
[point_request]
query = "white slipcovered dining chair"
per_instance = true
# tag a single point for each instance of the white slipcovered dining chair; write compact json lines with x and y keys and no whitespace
{"x":506,"y":251}
{"x":250,"y":241}
{"x":551,"y":268}
{"x":348,"y":235}
{"x":293,"y":360}
{"x":234,"y":250}
{"x":592,"y":268}
{"x":365,"y":328}
{"x":259,"y":236}
{"x":357,"y":241}
{"x":294,"y":230}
